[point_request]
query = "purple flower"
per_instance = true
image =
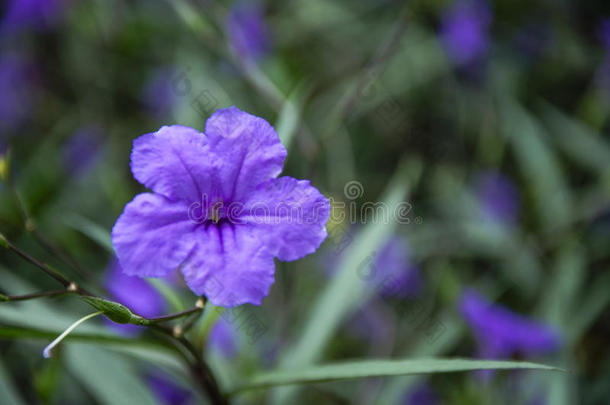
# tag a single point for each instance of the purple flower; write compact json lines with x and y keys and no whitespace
{"x":222,"y":338}
{"x":422,"y":394}
{"x":159,"y":94}
{"x":16,"y":87}
{"x":166,"y":390}
{"x":82,"y":149}
{"x":501,"y":333}
{"x":464,"y":31}
{"x":247,"y":31}
{"x":498,"y":197}
{"x":400,"y":277}
{"x":218,"y":212}
{"x":36,"y":14}
{"x":603,"y":32}
{"x":135,"y":293}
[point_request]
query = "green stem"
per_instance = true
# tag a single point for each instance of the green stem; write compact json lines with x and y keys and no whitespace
{"x":26,"y":297}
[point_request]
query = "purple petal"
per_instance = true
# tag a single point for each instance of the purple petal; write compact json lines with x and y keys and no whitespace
{"x":250,"y":150}
{"x":289,"y":215}
{"x":38,"y":14}
{"x":176,"y":162}
{"x":134,"y":292}
{"x":230,"y":265}
{"x":501,"y":333}
{"x":16,"y":89}
{"x":167,"y":390}
{"x":247,"y":30}
{"x":153,"y":235}
{"x":464,"y":31}
{"x":498,"y":197}
{"x":222,"y":338}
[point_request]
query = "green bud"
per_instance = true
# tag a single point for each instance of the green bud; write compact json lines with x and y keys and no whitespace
{"x":4,"y":298}
{"x":113,"y":310}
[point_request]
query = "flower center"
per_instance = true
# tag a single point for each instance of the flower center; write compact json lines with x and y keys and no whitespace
{"x":215,"y":211}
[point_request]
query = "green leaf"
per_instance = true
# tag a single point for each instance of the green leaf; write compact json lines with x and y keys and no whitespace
{"x":90,"y":229}
{"x":578,"y":141}
{"x":110,"y":378}
{"x":8,"y":392}
{"x":380,"y":368}
{"x":346,"y":292}
{"x":534,"y":156}
{"x":290,"y":116}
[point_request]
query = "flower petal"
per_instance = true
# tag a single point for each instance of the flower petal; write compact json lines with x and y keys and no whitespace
{"x":289,"y":215}
{"x":249,"y":147}
{"x":229,"y":265}
{"x":176,"y":162}
{"x":153,"y":235}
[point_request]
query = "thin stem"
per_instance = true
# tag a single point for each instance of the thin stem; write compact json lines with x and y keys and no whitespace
{"x":57,"y":276}
{"x":25,"y":297}
{"x":30,"y":226}
{"x":53,"y":273}
{"x":199,"y":368}
{"x":199,"y":305}
{"x":46,"y":353}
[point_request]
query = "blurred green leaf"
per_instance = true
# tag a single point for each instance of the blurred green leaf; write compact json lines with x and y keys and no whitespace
{"x":111,"y":379}
{"x":538,"y":164}
{"x":577,"y":141}
{"x":346,"y":292}
{"x":90,"y":229}
{"x":8,"y":392}
{"x":380,"y":368}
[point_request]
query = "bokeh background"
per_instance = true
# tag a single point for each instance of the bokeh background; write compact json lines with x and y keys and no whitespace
{"x":490,"y":119}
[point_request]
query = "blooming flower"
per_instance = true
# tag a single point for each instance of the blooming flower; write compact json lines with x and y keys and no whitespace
{"x":498,"y":197}
{"x":218,"y":212}
{"x":464,"y":31}
{"x":135,"y":293}
{"x":247,"y":31}
{"x":501,"y":333}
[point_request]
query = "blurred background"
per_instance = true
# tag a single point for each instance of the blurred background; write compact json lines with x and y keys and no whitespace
{"x":483,"y":124}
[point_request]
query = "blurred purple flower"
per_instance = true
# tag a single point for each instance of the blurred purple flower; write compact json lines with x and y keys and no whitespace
{"x":17,"y":77}
{"x":399,"y":277}
{"x":501,"y":333}
{"x":82,"y":149}
{"x":464,"y":31}
{"x":32,"y":14}
{"x":372,"y":322}
{"x":602,"y":75}
{"x":223,"y":339}
{"x":218,"y":212}
{"x":533,"y":40}
{"x":166,"y":390}
{"x":247,"y":30}
{"x":422,"y":394}
{"x":603,"y":32}
{"x":158,"y":94}
{"x":498,"y":197}
{"x":135,"y":293}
